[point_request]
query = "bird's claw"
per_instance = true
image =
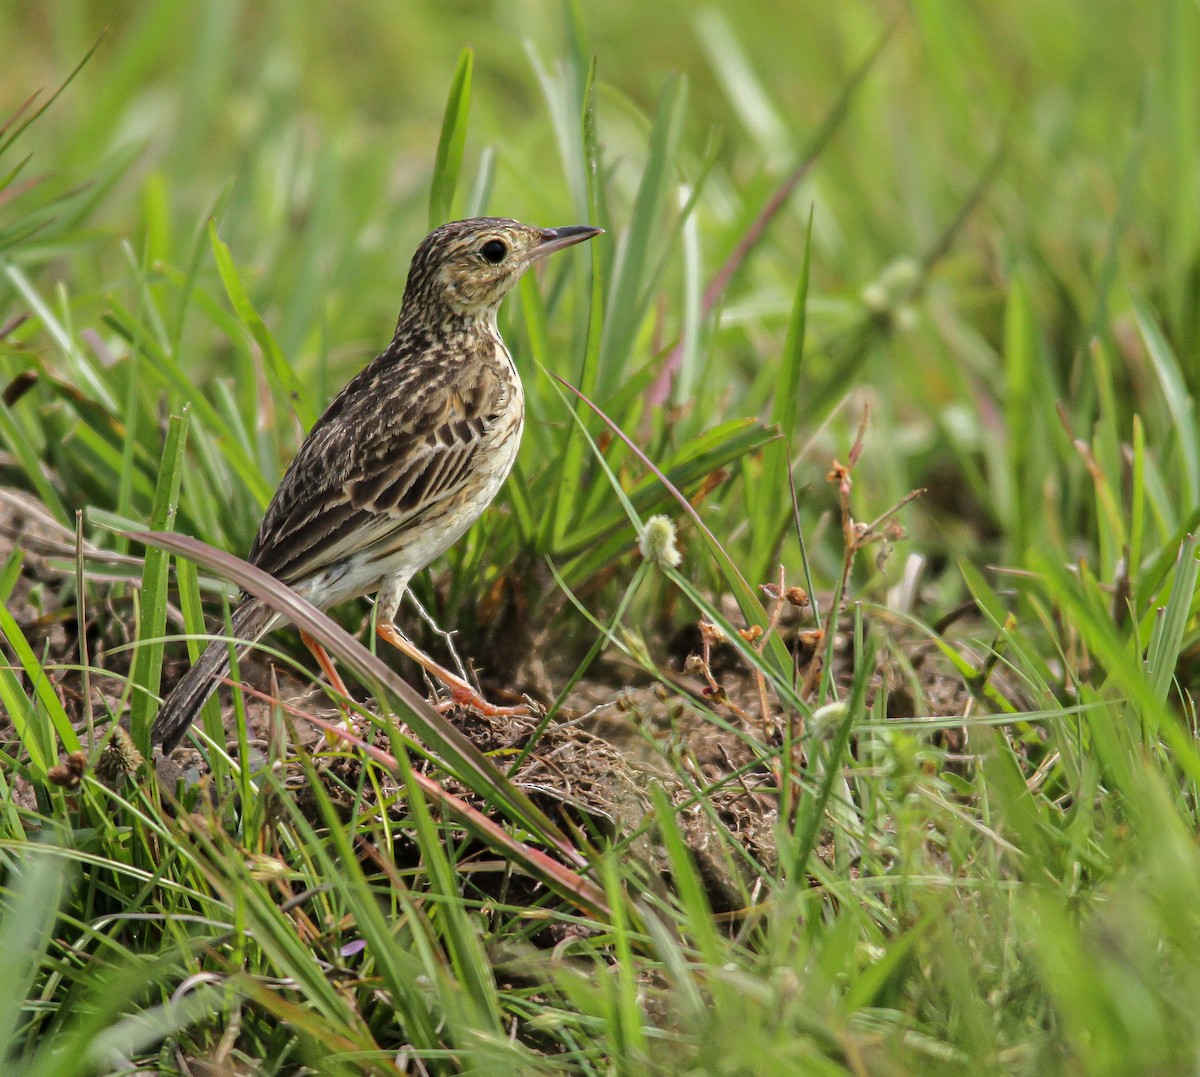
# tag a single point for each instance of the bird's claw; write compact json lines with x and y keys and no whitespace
{"x":467,"y":697}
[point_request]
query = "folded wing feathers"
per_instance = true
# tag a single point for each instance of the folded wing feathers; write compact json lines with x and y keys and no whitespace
{"x":331,"y":506}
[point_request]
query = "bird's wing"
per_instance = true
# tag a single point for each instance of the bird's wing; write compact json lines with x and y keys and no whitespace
{"x":397,"y":441}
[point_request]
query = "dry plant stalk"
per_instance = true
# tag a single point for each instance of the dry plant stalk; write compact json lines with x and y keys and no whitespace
{"x":857,"y":536}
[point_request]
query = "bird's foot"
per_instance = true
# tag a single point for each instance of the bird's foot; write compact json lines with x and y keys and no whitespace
{"x":463,"y":695}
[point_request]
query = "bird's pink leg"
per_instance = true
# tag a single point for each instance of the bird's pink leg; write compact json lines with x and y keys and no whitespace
{"x":326,"y":664}
{"x":461,"y":692}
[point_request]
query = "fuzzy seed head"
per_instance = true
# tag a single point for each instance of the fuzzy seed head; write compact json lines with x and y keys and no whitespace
{"x":657,"y":542}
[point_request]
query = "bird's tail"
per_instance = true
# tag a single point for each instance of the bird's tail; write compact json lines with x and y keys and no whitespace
{"x":249,"y":621}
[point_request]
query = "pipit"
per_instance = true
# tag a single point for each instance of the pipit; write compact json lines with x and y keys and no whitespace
{"x":404,"y":460}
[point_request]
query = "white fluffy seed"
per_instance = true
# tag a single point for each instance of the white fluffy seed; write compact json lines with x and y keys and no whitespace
{"x":658,"y":542}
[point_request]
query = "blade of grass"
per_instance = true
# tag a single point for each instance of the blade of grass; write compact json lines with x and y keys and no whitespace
{"x":88,"y":378}
{"x":164,"y":365}
{"x":282,"y":371}
{"x":630,"y":285}
{"x":25,"y":454}
{"x":31,"y":909}
{"x":472,"y":971}
{"x":1114,"y":654}
{"x":1177,"y":398}
{"x":811,"y":817}
{"x":785,"y":418}
{"x":148,"y":658}
{"x":1166,"y":641}
{"x":11,"y":133}
{"x":400,"y":966}
{"x":450,"y":145}
{"x":37,"y":736}
{"x":569,"y":460}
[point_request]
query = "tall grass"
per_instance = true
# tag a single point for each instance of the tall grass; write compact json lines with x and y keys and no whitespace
{"x":978,"y":226}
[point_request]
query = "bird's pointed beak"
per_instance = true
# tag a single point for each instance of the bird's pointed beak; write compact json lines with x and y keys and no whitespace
{"x":555,"y":239}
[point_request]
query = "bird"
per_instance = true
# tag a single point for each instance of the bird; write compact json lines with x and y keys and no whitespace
{"x":403,"y":461}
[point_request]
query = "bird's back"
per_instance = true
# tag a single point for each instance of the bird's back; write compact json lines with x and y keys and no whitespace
{"x":422,"y":430}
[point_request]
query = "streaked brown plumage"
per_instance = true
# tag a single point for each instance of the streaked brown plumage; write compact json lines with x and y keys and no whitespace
{"x":406,"y":457}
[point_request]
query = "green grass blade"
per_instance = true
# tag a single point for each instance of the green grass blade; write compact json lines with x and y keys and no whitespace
{"x":402,"y":957}
{"x":147,"y":661}
{"x":570,"y":461}
{"x":86,"y":376}
{"x":24,"y":452}
{"x":1166,"y":641}
{"x":285,"y":376}
{"x":785,"y":417}
{"x":640,"y":249}
{"x":10,"y":132}
{"x":472,"y":972}
{"x":168,"y":370}
{"x":1115,"y":655}
{"x":1178,"y":400}
{"x":37,"y":736}
{"x":450,"y":146}
{"x":812,"y":817}
{"x":30,"y":907}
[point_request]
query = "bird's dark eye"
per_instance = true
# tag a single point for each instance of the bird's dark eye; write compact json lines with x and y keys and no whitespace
{"x":493,"y":251}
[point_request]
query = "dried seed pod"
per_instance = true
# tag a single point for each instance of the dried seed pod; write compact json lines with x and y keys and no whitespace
{"x":797,"y":596}
{"x":69,"y":774}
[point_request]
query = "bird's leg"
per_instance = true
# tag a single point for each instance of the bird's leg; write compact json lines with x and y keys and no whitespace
{"x":326,"y":664}
{"x":335,"y":680}
{"x":461,"y":692}
{"x":387,"y":604}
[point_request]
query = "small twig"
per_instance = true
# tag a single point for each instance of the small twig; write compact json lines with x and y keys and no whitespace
{"x":856,"y":537}
{"x":759,"y":644}
{"x":873,"y":526}
{"x":438,"y":630}
{"x":709,"y":634}
{"x":698,"y":664}
{"x":860,"y":435}
{"x":779,"y":594}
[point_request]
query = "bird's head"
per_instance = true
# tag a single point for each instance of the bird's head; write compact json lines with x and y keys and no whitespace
{"x":465,"y":268}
